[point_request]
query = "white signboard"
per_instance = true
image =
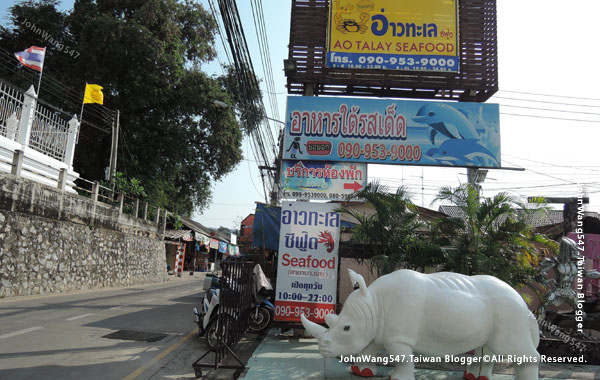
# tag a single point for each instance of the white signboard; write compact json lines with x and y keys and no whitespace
{"x":308,"y":261}
{"x":323,"y":180}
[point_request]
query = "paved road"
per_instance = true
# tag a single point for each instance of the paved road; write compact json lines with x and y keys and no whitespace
{"x":63,"y":336}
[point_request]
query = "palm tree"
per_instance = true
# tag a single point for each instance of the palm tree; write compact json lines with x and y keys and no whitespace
{"x":491,"y":237}
{"x":388,"y":235}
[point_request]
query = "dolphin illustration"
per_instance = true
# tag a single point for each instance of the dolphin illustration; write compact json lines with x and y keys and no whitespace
{"x":446,"y":120}
{"x":459,"y":151}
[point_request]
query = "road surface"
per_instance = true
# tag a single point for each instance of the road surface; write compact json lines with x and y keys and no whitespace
{"x":65,"y":336}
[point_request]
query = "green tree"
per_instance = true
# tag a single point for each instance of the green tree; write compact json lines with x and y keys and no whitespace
{"x":491,"y":237}
{"x":389,"y":235}
{"x":147,"y":55}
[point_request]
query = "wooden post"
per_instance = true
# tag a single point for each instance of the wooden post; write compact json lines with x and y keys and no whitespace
{"x":17,"y":164}
{"x":95,"y":191}
{"x":120,"y":199}
{"x":157,"y":215}
{"x":145,"y":210}
{"x":137,"y":207}
{"x":164,"y":224}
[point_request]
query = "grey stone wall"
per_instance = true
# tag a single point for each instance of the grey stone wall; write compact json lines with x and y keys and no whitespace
{"x":51,"y":241}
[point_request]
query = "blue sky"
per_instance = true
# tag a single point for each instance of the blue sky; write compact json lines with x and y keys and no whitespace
{"x":544,"y":48}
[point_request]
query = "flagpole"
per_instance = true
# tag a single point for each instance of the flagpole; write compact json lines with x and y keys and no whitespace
{"x":41,"y":72}
{"x":82,"y":104}
{"x":39,"y":84}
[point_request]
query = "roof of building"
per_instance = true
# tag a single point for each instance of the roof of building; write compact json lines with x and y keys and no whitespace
{"x":203,"y":230}
{"x":178,"y":234}
{"x":536,"y":219}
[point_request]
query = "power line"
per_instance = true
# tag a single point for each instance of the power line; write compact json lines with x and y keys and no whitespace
{"x":550,"y":95}
{"x":263,"y":44}
{"x":545,"y":102}
{"x":552,"y":110}
{"x":55,"y":88}
{"x":220,"y":31}
{"x":263,"y":141}
{"x":550,"y":117}
{"x":549,"y":164}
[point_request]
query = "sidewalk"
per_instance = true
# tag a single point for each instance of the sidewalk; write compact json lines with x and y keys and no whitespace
{"x":285,"y":357}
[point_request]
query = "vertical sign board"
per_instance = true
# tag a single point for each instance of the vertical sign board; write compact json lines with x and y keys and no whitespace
{"x":308,"y":261}
{"x":419,"y":35}
{"x":388,"y":131}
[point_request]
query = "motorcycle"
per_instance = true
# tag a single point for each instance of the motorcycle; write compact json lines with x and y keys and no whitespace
{"x":263,"y":310}
{"x":260,"y":317}
{"x":210,"y":303}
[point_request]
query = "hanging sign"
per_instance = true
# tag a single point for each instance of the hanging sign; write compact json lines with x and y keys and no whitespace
{"x":420,"y":35}
{"x":308,"y":261}
{"x":322,"y":180}
{"x":387,"y":131}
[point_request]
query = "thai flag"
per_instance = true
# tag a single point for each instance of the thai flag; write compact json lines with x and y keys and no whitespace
{"x":32,"y":57}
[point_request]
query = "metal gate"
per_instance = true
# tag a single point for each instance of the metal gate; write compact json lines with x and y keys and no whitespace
{"x":232,"y":318}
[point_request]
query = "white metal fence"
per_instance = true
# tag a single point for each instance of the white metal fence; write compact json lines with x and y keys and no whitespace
{"x":35,"y":141}
{"x":11,"y":104}
{"x":49,"y":133}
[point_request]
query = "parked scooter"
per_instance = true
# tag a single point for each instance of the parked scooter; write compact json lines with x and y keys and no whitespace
{"x":260,"y":317}
{"x":263,"y":311}
{"x":210,"y":303}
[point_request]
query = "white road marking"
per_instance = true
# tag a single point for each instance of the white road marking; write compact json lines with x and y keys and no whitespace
{"x":79,"y":316}
{"x":148,"y":300}
{"x":24,"y":331}
{"x":197,"y":289}
{"x":169,"y":295}
{"x":117,"y":307}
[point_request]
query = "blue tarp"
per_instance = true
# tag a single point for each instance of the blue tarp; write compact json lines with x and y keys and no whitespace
{"x":265,"y":230}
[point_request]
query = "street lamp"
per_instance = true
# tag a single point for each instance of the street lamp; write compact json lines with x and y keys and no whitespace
{"x":276,"y":168}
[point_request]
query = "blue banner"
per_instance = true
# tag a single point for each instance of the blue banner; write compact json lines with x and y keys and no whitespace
{"x":386,"y":131}
{"x":265,"y":230}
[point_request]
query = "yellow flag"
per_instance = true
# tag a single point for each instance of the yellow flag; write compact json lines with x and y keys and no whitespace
{"x":93,"y":94}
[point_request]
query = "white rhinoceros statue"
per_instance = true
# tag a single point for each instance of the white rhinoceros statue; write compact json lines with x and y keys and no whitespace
{"x":434,"y":314}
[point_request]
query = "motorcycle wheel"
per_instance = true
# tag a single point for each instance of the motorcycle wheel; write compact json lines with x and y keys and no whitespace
{"x":258,"y":323}
{"x":214,"y":330}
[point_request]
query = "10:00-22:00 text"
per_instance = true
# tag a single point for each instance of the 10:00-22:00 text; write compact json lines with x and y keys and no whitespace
{"x":376,"y":151}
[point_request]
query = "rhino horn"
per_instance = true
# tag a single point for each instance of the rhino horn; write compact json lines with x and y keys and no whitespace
{"x":312,"y":328}
{"x":331,"y":320}
{"x":358,"y":282}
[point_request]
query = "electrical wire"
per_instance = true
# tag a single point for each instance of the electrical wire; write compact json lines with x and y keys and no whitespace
{"x":263,"y":44}
{"x":55,"y":88}
{"x":545,"y":102}
{"x":263,"y":141}
{"x":550,"y":95}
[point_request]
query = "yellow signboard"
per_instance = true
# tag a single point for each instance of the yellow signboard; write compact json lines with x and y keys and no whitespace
{"x":393,"y":35}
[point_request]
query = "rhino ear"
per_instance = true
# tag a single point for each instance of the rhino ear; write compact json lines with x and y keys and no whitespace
{"x":358,"y":281}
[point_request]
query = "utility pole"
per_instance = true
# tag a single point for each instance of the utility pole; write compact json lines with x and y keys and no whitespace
{"x":475,"y":177}
{"x":114,"y":148}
